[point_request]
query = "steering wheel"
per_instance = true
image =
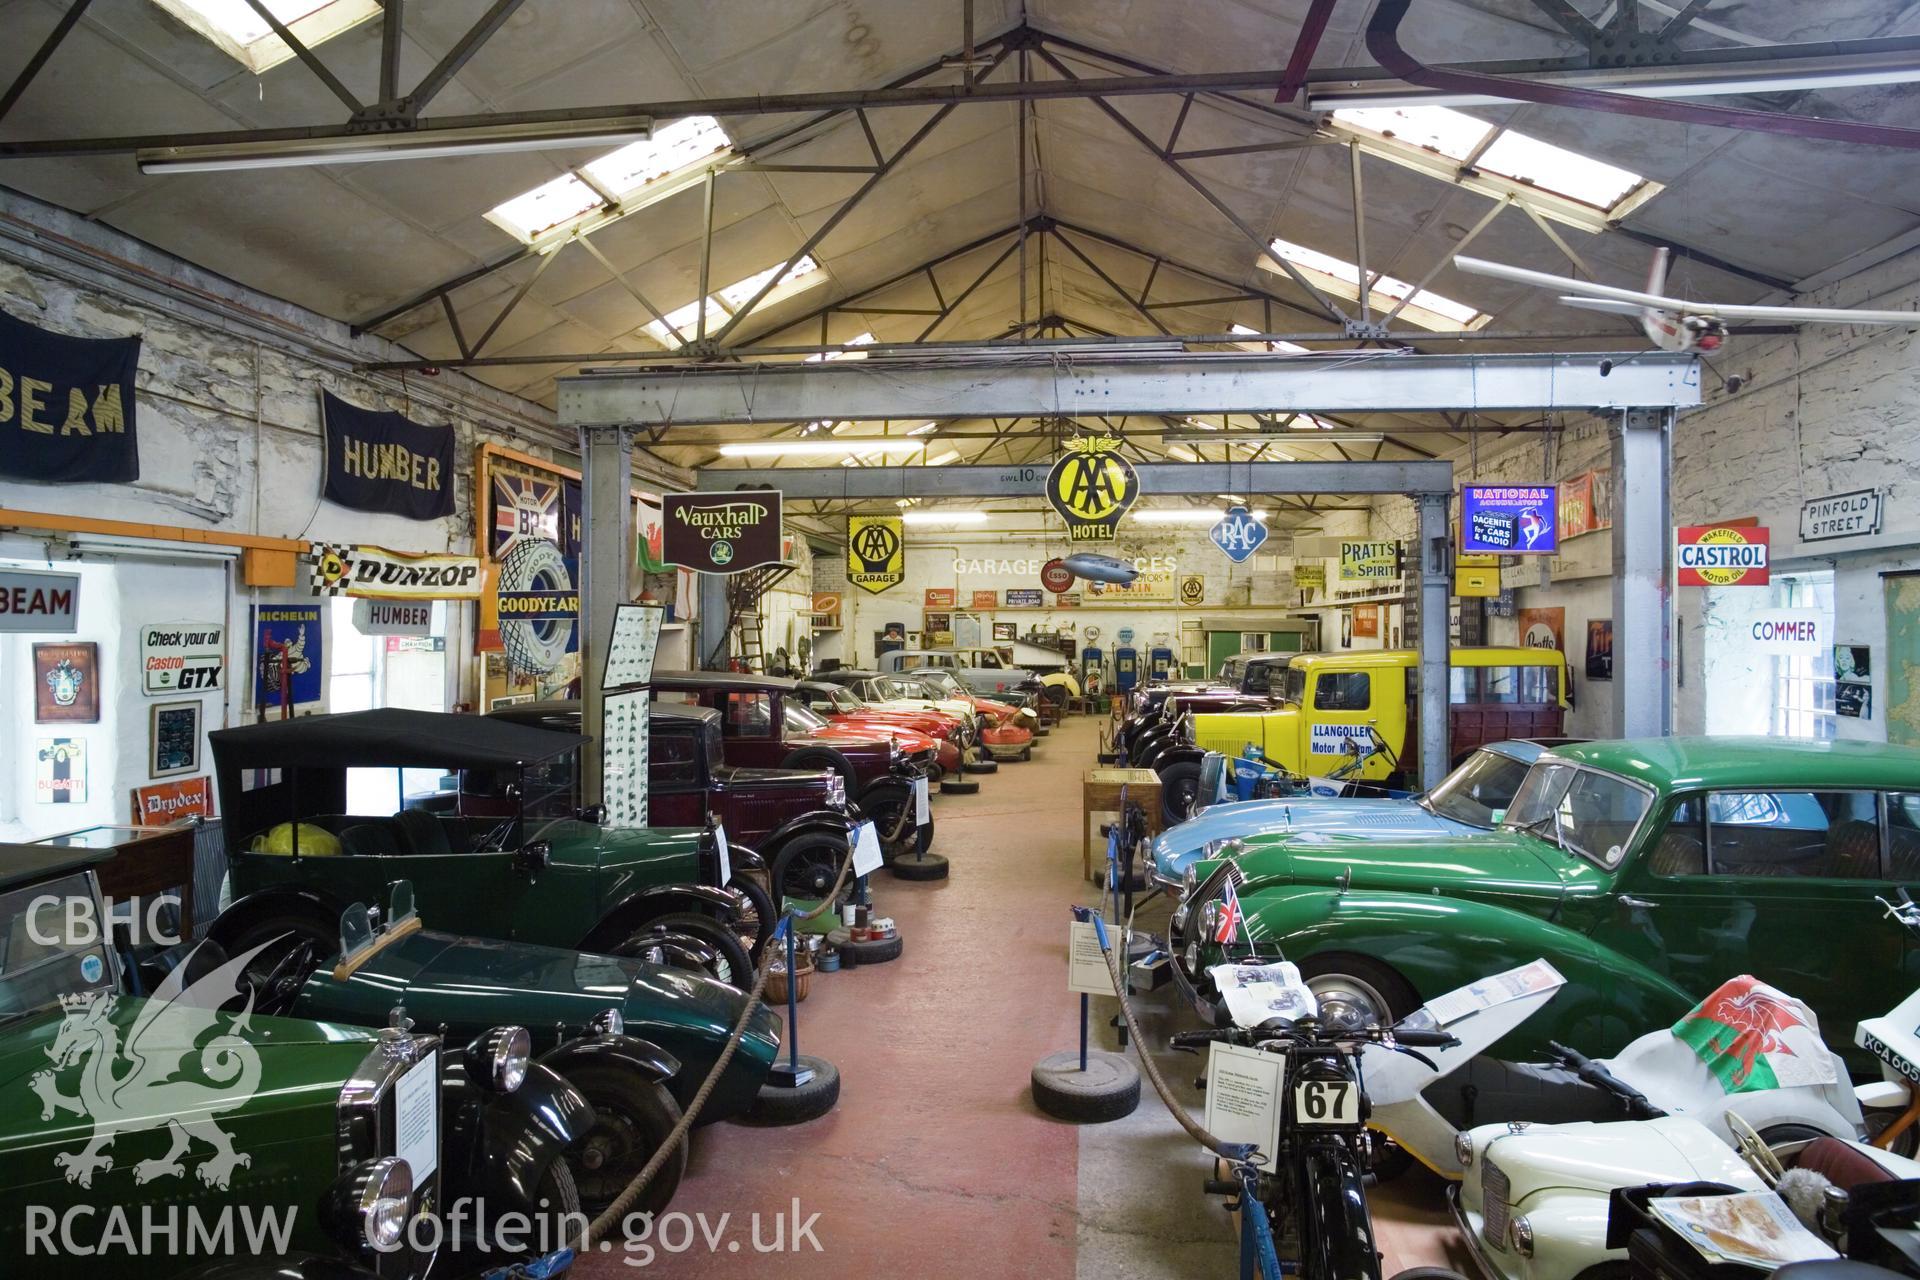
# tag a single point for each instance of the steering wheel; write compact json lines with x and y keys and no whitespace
{"x":1754,"y":1149}
{"x":275,"y":993}
{"x":494,"y":839}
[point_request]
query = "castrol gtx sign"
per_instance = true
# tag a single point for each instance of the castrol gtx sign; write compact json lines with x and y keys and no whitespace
{"x":1722,"y":555}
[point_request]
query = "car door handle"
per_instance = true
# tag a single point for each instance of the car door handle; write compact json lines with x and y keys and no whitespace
{"x":1628,"y":900}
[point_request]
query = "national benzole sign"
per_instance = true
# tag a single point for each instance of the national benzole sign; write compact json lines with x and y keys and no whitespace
{"x":1238,"y":535}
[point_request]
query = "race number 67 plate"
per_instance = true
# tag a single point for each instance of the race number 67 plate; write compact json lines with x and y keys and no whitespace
{"x":922,"y":810}
{"x":866,"y":850}
{"x":1326,"y":1102}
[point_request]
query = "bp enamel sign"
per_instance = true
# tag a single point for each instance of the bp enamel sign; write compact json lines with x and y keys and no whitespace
{"x":1092,"y":486}
{"x":1238,"y":535}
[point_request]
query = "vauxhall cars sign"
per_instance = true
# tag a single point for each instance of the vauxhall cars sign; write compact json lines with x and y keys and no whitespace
{"x":1092,"y":486}
{"x":721,"y":532}
{"x":1238,"y":535}
{"x":1722,"y":555}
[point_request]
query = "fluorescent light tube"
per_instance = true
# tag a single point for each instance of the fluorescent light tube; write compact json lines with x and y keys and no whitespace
{"x":415,"y":145}
{"x":820,"y":448}
{"x":944,"y":517}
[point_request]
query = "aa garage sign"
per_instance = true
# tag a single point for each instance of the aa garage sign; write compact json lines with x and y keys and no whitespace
{"x":1722,"y":555}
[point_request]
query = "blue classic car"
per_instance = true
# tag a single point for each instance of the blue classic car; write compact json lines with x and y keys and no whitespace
{"x":1469,"y":798}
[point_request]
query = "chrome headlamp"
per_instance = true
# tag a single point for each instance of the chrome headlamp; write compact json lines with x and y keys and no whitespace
{"x":1520,"y":1231}
{"x":371,"y":1205}
{"x":497,"y":1060}
{"x":1463,"y":1149}
{"x":1189,"y":880}
{"x":836,"y":791}
{"x":607,"y":1022}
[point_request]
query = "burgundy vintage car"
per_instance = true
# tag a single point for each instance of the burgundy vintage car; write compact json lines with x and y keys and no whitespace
{"x":764,"y":724}
{"x":794,"y":826}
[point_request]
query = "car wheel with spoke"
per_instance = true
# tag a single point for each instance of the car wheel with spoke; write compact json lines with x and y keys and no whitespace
{"x":1179,"y":788}
{"x":755,"y":924}
{"x":632,"y":1117}
{"x":689,"y":940}
{"x":807,"y":867}
{"x":892,"y":814}
{"x":1355,"y":991}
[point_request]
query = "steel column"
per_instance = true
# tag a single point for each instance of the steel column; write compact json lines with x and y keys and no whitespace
{"x":1166,"y":478}
{"x":712,"y":632}
{"x":607,"y":550}
{"x":1010,"y":384}
{"x":1642,"y":576}
{"x":1435,"y":569}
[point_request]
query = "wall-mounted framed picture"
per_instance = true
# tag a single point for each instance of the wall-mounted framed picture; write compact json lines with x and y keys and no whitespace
{"x":66,"y":683}
{"x":173,"y":739}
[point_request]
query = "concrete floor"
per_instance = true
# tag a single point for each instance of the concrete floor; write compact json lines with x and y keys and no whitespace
{"x":936,"y":1162}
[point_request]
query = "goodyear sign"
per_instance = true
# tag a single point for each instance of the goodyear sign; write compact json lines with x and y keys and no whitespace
{"x":876,"y":552}
{"x":1722,"y":555}
{"x":1369,"y":561}
{"x":1092,"y":486}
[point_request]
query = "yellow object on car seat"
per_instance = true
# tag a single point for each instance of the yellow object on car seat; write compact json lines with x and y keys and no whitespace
{"x":315,"y":842}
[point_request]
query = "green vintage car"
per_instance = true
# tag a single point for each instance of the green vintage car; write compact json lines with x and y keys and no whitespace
{"x":636,"y":1038}
{"x":316,"y":817}
{"x":1646,"y":871}
{"x":275,"y":1147}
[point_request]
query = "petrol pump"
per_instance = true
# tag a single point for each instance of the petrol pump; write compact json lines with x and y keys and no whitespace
{"x":1160,"y":663}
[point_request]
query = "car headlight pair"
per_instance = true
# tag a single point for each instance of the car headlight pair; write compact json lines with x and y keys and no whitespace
{"x":836,"y":791}
{"x":497,"y":1060}
{"x":371,"y":1205}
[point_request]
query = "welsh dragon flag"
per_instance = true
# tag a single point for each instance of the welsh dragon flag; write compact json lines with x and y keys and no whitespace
{"x":1754,"y":1037}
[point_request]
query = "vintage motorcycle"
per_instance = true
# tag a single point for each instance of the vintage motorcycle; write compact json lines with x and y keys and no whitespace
{"x":1313,"y":1190}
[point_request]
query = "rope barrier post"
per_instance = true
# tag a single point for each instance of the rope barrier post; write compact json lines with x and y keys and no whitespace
{"x":1091,"y":1085}
{"x":790,"y":1074}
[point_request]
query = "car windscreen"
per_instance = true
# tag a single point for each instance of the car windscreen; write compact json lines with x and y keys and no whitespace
{"x":43,"y":954}
{"x":803,"y":717}
{"x":1294,"y":688}
{"x":1480,"y":788}
{"x":1259,"y":676}
{"x":844,"y":699}
{"x":943,"y":683}
{"x":890,"y":689}
{"x":1589,"y":812}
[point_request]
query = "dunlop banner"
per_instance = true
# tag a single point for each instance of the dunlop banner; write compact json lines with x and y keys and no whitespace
{"x":381,"y":461}
{"x":66,"y":406}
{"x":721,"y":532}
{"x":876,"y":552}
{"x":375,"y":573}
{"x":1092,"y":486}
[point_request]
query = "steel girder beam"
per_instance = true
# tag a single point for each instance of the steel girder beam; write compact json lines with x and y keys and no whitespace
{"x":55,"y":38}
{"x":1000,"y":384}
{"x":1164,"y":478}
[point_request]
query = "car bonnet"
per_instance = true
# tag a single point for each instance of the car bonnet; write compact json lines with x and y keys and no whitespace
{"x":1600,"y":1157}
{"x":1499,"y":861}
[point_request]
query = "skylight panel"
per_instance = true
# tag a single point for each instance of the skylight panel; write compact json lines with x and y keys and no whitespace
{"x":1427,"y":309}
{"x":1453,"y":134}
{"x":1568,"y":173}
{"x":722,"y":304}
{"x":245,"y":36}
{"x":858,"y":340}
{"x":1502,"y":162}
{"x":634,"y":175}
{"x":1278,"y":345}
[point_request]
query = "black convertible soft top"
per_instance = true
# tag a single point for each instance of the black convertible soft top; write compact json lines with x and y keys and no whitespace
{"x":392,"y":738}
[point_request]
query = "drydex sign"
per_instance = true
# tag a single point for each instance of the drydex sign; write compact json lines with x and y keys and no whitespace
{"x":721,"y":532}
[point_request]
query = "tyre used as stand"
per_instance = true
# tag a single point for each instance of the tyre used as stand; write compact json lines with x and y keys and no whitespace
{"x":926,"y":866}
{"x":780,"y":1104}
{"x":866,"y":951}
{"x":1107,"y":1090}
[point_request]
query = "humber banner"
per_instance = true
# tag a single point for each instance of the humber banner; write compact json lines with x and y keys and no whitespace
{"x":378,"y":461}
{"x":66,"y":406}
{"x":876,"y":552}
{"x":721,"y":532}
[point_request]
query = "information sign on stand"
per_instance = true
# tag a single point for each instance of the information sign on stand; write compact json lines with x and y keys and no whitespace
{"x":623,"y":746}
{"x":1087,"y":970}
{"x":1243,"y":1095}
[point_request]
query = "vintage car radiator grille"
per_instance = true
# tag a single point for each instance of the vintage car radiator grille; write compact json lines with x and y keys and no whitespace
{"x":1493,"y":1205}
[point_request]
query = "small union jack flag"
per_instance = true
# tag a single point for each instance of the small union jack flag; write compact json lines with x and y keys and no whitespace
{"x":1229,"y":927}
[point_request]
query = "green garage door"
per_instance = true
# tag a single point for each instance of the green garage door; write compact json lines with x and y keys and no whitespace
{"x":1903,"y":659}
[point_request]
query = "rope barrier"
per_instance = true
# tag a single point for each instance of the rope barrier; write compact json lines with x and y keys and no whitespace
{"x":624,"y":1202}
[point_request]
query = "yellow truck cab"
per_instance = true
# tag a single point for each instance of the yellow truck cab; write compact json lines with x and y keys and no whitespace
{"x":1331,"y":700}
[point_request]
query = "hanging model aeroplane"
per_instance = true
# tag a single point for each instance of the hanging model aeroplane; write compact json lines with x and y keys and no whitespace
{"x":1673,"y":324}
{"x":1098,"y":568}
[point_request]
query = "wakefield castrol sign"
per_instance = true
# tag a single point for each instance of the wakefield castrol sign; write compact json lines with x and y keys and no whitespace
{"x":1722,"y":555}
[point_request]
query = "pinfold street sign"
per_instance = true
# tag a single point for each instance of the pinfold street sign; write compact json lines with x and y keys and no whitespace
{"x":1841,"y":515}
